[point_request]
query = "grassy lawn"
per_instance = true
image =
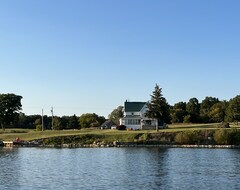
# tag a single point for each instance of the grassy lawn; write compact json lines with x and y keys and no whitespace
{"x":184,"y":127}
{"x":28,"y":134}
{"x":11,"y":134}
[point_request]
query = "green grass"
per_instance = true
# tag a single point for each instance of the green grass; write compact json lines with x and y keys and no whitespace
{"x":28,"y":134}
{"x":184,"y":127}
{"x":33,"y":135}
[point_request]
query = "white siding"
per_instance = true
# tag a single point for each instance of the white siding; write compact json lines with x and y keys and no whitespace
{"x":131,"y":113}
{"x":143,"y":111}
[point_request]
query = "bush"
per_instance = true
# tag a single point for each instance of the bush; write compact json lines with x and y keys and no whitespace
{"x":121,"y":127}
{"x":234,"y":137}
{"x":187,"y":137}
{"x":227,"y":137}
{"x":221,"y":137}
{"x":39,"y":128}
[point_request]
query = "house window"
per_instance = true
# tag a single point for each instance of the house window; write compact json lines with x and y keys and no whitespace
{"x":133,"y":122}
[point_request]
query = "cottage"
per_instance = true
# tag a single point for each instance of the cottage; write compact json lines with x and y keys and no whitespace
{"x":135,"y":116}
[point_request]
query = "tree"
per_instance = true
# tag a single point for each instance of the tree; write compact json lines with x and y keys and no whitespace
{"x":57,"y":124}
{"x":10,"y":105}
{"x":38,"y":124}
{"x":73,"y":122}
{"x":233,"y":110}
{"x":116,"y":114}
{"x":205,"y":108}
{"x":65,"y":121}
{"x":158,"y":108}
{"x":90,"y":120}
{"x":217,"y":112}
{"x":178,"y":112}
{"x":193,"y":109}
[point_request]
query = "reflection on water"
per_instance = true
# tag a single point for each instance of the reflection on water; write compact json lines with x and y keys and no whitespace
{"x":119,"y":168}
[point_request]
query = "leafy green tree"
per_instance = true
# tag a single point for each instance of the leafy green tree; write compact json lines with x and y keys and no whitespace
{"x":65,"y":121}
{"x":57,"y":124}
{"x":205,"y":108}
{"x":116,"y":114}
{"x":193,"y":109}
{"x":73,"y":122}
{"x":233,"y":110}
{"x":187,"y":119}
{"x":22,"y":121}
{"x":178,"y":112}
{"x":90,"y":120}
{"x":38,"y":124}
{"x":47,"y":121}
{"x":10,"y":105}
{"x":158,"y":107}
{"x":217,"y":112}
{"x":101,"y":120}
{"x":27,"y":121}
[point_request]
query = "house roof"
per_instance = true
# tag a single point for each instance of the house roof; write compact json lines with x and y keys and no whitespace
{"x":133,"y":106}
{"x":108,"y":123}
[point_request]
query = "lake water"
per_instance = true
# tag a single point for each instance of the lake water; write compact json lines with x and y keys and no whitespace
{"x":119,"y":168}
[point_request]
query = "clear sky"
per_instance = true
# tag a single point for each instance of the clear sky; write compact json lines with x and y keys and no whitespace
{"x":85,"y":56}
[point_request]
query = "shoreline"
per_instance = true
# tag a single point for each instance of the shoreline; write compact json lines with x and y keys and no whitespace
{"x":124,"y":145}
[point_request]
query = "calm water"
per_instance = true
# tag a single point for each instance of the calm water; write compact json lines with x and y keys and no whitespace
{"x":119,"y":168}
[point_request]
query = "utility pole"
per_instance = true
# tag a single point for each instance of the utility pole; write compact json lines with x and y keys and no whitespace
{"x":52,"y":117}
{"x":42,"y":121}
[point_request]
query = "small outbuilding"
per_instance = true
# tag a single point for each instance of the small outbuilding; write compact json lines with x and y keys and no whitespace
{"x":109,"y":124}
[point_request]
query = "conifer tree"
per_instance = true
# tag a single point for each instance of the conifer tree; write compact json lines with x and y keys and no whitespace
{"x":158,"y":108}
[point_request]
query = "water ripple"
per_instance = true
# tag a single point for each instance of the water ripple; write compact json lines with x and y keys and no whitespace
{"x":119,"y":168}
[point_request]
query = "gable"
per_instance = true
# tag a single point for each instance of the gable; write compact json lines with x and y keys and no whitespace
{"x":134,"y":106}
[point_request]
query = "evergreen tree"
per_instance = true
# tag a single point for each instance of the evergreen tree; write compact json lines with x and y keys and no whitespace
{"x":158,"y":108}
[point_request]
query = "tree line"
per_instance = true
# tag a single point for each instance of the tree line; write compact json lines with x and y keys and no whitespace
{"x":59,"y":123}
{"x":12,"y":117}
{"x":210,"y":110}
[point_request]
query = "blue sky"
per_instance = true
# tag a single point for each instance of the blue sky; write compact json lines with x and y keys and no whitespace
{"x":90,"y":56}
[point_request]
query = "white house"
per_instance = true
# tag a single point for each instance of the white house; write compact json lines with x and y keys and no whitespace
{"x":135,"y":118}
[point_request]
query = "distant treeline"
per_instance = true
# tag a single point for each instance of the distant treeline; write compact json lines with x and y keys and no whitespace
{"x":59,"y":123}
{"x":210,"y":110}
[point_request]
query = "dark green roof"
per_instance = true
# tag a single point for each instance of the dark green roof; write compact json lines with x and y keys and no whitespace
{"x":133,"y":106}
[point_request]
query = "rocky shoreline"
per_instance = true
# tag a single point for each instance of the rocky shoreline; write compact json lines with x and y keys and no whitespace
{"x":116,"y":144}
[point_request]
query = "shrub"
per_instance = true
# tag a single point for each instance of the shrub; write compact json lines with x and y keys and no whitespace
{"x":234,"y":137}
{"x":187,"y":137}
{"x":221,"y":137}
{"x":182,"y":138}
{"x":39,"y":128}
{"x":145,"y":137}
